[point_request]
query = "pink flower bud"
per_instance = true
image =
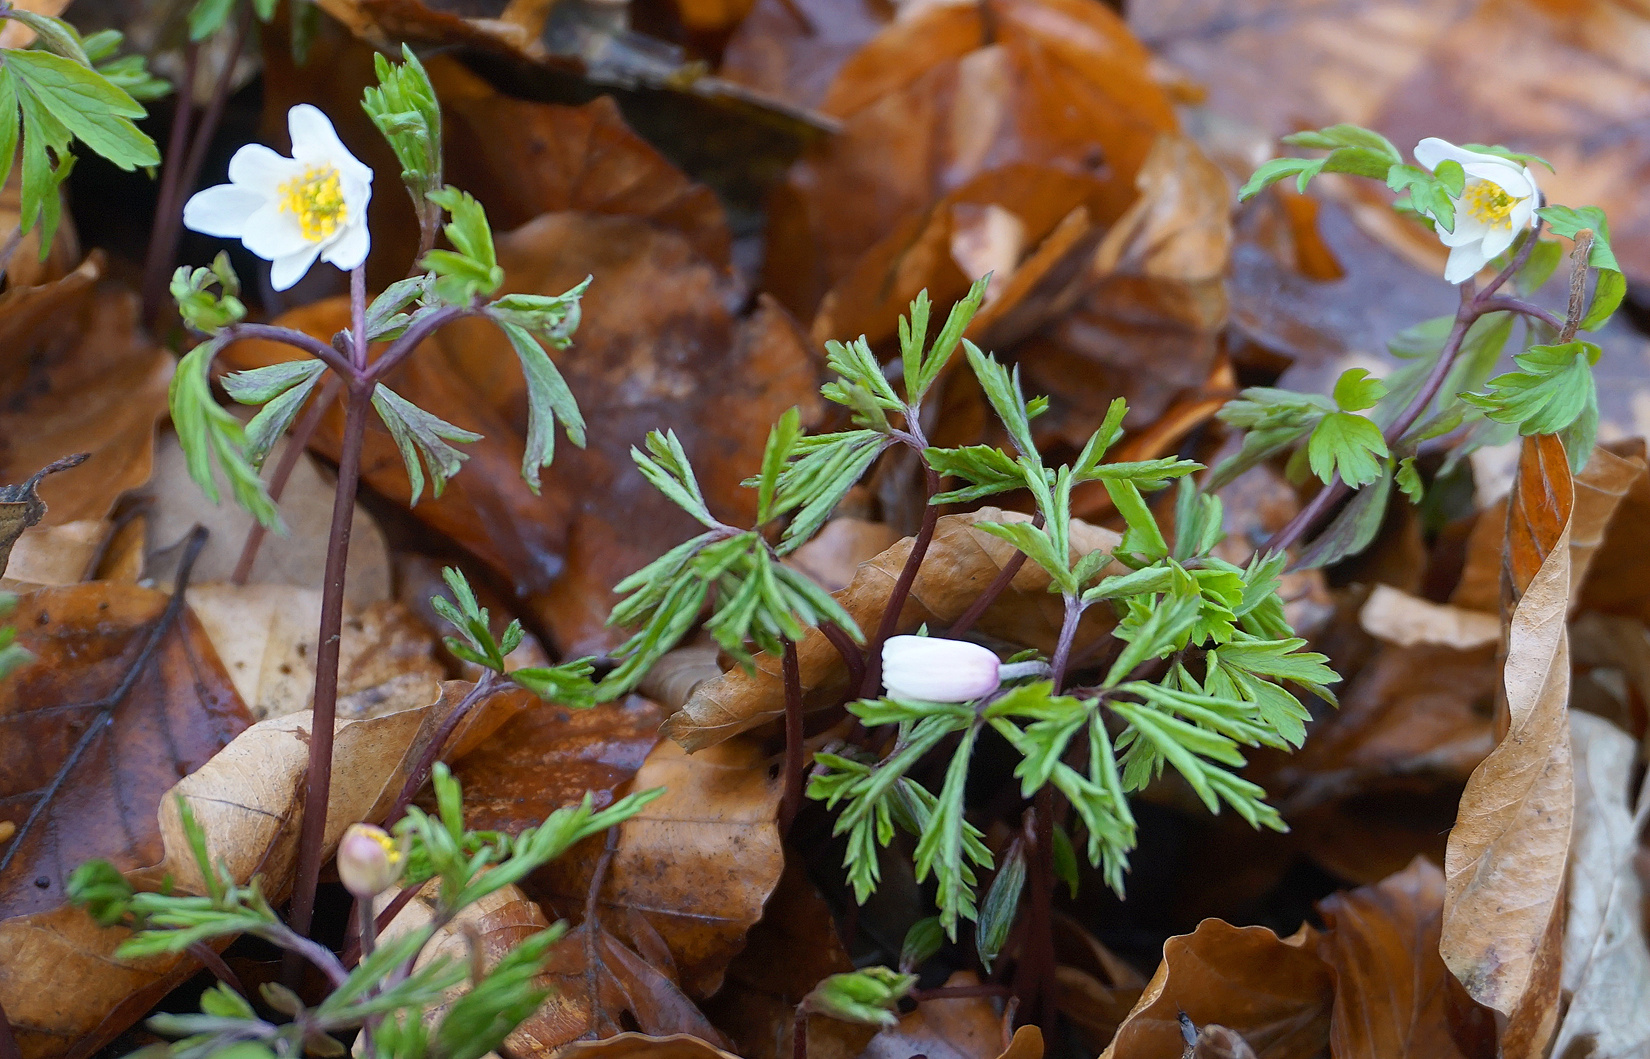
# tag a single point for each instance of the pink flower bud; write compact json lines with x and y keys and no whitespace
{"x":369,"y":861}
{"x":936,"y":670}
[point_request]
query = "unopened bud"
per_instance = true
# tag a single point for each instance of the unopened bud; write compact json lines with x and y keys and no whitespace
{"x":369,"y":861}
{"x":936,"y":670}
{"x":870,"y":996}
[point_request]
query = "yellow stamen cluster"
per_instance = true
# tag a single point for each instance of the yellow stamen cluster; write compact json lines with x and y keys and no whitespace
{"x":317,"y":199}
{"x":392,"y":852}
{"x":1488,"y":202}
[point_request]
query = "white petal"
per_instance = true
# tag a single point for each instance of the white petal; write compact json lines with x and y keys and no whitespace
{"x":1430,"y":151}
{"x":222,"y":210}
{"x":349,"y":249}
{"x":1498,"y":240}
{"x":1468,"y":229}
{"x":290,"y":269}
{"x":1523,"y":214}
{"x":259,"y":168}
{"x":1465,"y":262}
{"x":1508,"y":176}
{"x":314,"y":140}
{"x":273,"y":233}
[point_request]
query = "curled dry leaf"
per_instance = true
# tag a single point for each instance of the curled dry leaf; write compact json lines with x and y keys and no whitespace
{"x":265,"y":635}
{"x":1276,"y":993}
{"x":22,"y":508}
{"x":126,"y":695}
{"x":1606,"y":961}
{"x":1503,"y":910}
{"x":1600,"y":489}
{"x":961,"y":562}
{"x":698,"y":863}
{"x":1391,"y":986}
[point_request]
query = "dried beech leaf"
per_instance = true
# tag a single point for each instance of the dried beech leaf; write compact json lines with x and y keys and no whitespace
{"x":173,"y":505}
{"x":959,"y":1028}
{"x":1277,"y":994}
{"x":789,"y":952}
{"x":82,"y":774}
{"x":249,"y":797}
{"x":1606,"y":960}
{"x":83,"y":378}
{"x":1504,"y":870}
{"x":1390,"y":983}
{"x":266,"y":636}
{"x":960,"y":563}
{"x":1400,"y":618}
{"x":951,"y":92}
{"x":698,"y":863}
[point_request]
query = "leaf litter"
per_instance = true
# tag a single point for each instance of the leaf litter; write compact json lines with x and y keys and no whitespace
{"x":746,"y":182}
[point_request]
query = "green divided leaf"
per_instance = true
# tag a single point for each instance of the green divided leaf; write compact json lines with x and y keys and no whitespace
{"x":1349,"y":445}
{"x":417,"y":434}
{"x":1554,"y":388}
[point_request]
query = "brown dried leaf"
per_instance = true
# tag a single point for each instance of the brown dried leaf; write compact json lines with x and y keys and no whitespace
{"x":1503,"y":911}
{"x":80,"y":783}
{"x":947,"y":94}
{"x":792,"y":49}
{"x":785,"y":955}
{"x":548,"y":757}
{"x":698,"y":863}
{"x":173,"y":505}
{"x":960,"y":563}
{"x":958,"y":1028}
{"x":84,"y":379}
{"x":1390,"y":983}
{"x":1606,"y":961}
{"x":249,"y":797}
{"x":266,"y":637}
{"x":1276,"y":993}
{"x":656,"y":344}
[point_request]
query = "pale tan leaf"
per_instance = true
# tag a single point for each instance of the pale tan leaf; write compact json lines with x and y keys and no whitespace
{"x":1400,"y":618}
{"x":1504,"y":867}
{"x":1606,"y":961}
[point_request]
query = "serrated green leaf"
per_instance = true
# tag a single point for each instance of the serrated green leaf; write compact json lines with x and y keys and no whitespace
{"x":418,"y":433}
{"x":91,"y":108}
{"x":1355,"y":390}
{"x":1554,"y":386}
{"x":548,"y":399}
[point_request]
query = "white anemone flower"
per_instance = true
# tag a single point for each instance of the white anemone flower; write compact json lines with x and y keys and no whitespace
{"x":290,"y":211}
{"x":1498,"y":202}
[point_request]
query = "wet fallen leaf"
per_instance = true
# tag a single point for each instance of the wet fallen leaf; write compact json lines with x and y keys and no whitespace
{"x":125,"y":697}
{"x":1276,"y":993}
{"x":1503,"y":912}
{"x":792,"y":49}
{"x":961,"y":562}
{"x":1606,"y":961}
{"x":1390,"y":983}
{"x":642,"y":1046}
